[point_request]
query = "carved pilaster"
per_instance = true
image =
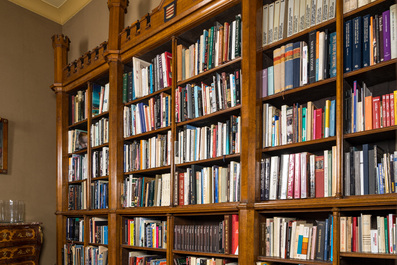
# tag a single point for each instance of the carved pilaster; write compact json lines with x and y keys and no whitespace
{"x":117,"y":9}
{"x":60,"y":43}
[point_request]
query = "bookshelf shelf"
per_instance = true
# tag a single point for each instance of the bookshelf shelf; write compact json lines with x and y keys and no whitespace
{"x":317,"y":90}
{"x":166,"y":90}
{"x":206,"y":254}
{"x":232,"y":64}
{"x":99,"y":146}
{"x":368,"y":255}
{"x":366,"y":7}
{"x":100,"y":178}
{"x":97,"y":245}
{"x":144,"y":248}
{"x":323,"y":143}
{"x":210,"y":117}
{"x":146,"y":211}
{"x":79,"y":124}
{"x":325,"y":24}
{"x":76,"y":181}
{"x":75,"y":242}
{"x":293,"y":261}
{"x":149,"y":170}
{"x":101,"y":115}
{"x":225,"y":158}
{"x":206,"y":208}
{"x":148,"y":134}
{"x":382,"y":134}
{"x":79,"y":152}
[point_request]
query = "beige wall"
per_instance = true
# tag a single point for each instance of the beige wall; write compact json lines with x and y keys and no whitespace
{"x":26,"y":71}
{"x":90,"y":27}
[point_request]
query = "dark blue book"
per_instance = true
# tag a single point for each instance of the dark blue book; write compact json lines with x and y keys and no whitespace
{"x":347,"y":47}
{"x":289,"y":66}
{"x":357,"y":41}
{"x":296,"y":64}
{"x":332,"y":119}
{"x":96,"y":94}
{"x":326,"y":54}
{"x":366,"y":148}
{"x":319,"y":254}
{"x":312,"y":57}
{"x":151,"y":79}
{"x":366,"y":42}
{"x":326,"y":240}
{"x":332,"y":54}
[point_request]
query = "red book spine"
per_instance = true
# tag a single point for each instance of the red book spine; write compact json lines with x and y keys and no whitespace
{"x":181,"y":188}
{"x":291,"y":176}
{"x":297,"y":187}
{"x":168,"y":60}
{"x":73,"y":103}
{"x":318,"y":124}
{"x":235,"y":234}
{"x":388,"y":123}
{"x":376,"y":112}
{"x":392,"y":118}
{"x":354,"y":248}
{"x":177,"y":105}
{"x":214,"y":143}
{"x":319,"y":176}
{"x":384,"y":118}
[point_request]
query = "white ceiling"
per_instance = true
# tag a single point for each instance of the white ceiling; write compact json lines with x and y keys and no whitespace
{"x":59,"y":11}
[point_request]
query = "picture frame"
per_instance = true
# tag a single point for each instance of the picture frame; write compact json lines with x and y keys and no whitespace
{"x":3,"y":146}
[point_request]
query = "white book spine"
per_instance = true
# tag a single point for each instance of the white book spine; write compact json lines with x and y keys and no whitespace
{"x":319,"y":12}
{"x":296,"y":22}
{"x":321,"y":55}
{"x":274,"y":171}
{"x":290,"y":25}
{"x":331,"y":8}
{"x":393,"y":31}
{"x":325,"y":10}
{"x":270,"y":32}
{"x":265,"y":19}
{"x":302,"y":15}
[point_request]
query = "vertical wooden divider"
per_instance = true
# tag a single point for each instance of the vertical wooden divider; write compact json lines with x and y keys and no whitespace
{"x":89,"y":147}
{"x":60,"y":45}
{"x":170,"y":239}
{"x":336,"y":232}
{"x":173,"y":119}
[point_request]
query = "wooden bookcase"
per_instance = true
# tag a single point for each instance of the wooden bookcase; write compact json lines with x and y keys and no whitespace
{"x":151,"y":36}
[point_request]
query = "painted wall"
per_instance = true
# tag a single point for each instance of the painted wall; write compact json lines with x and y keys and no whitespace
{"x":26,"y":72}
{"x":90,"y":27}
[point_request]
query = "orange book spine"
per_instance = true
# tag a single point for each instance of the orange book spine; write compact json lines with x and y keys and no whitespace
{"x":368,"y":113}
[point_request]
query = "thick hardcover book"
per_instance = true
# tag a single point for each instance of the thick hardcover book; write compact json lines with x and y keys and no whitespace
{"x":332,"y":54}
{"x":326,"y":55}
{"x":381,"y":39}
{"x":235,"y":232}
{"x":277,"y":70}
{"x":289,"y":66}
{"x":312,"y":57}
{"x":319,"y":173}
{"x":265,"y":23}
{"x":319,"y":255}
{"x":366,"y":164}
{"x":386,"y":35}
{"x":366,"y":41}
{"x":393,"y":29}
{"x":238,"y":36}
{"x":227,"y":233}
{"x":270,"y":80}
{"x":264,"y":82}
{"x":347,"y":47}
{"x":357,"y":41}
{"x":296,"y":64}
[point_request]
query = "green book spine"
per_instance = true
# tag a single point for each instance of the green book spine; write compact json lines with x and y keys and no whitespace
{"x":304,"y":124}
{"x":386,"y":237}
{"x":211,"y":44}
{"x":125,"y":84}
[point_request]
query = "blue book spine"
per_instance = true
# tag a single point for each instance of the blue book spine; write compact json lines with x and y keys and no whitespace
{"x":332,"y":52}
{"x":326,"y":239}
{"x":142,"y":190}
{"x":357,"y":40}
{"x":196,"y":107}
{"x":142,"y":112}
{"x":216,"y":184}
{"x":166,"y":111}
{"x":151,"y":78}
{"x":366,"y":43}
{"x":289,"y":67}
{"x":304,"y":124}
{"x":133,"y":111}
{"x":105,"y":234}
{"x":332,"y":118}
{"x":270,"y":80}
{"x":332,"y":239}
{"x":347,"y":47}
{"x":296,"y":64}
{"x":133,"y":85}
{"x":381,"y":179}
{"x":300,"y":241}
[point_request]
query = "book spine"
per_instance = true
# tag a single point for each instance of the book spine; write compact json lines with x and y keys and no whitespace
{"x":365,"y":44}
{"x":386,"y":35}
{"x":347,"y":55}
{"x":357,"y":40}
{"x":312,"y":57}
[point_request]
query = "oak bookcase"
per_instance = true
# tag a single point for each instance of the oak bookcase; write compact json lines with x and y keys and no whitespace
{"x":150,"y":36}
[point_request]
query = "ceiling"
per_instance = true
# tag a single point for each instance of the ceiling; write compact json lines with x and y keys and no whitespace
{"x":59,"y":11}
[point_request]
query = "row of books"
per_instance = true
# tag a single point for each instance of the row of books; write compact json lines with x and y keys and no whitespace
{"x":98,"y":230}
{"x":144,"y":191}
{"x":141,"y":117}
{"x":73,"y":254}
{"x":96,"y":255}
{"x":100,"y":162}
{"x":206,"y":261}
{"x":75,"y":229}
{"x":77,"y":199}
{"x":285,"y":238}
{"x":146,"y":78}
{"x":202,"y":185}
{"x":298,"y":123}
{"x":140,"y":257}
{"x":217,"y":45}
{"x":78,"y":167}
{"x":100,"y":194}
{"x":150,"y":153}
{"x":350,"y":5}
{"x":299,"y":176}
{"x":77,"y":140}
{"x":284,"y":18}
{"x":363,"y":111}
{"x":198,"y":143}
{"x":100,"y":99}
{"x":100,"y":132}
{"x":78,"y":106}
{"x":220,"y":237}
{"x":145,"y":232}
{"x":369,"y":40}
{"x":368,"y":233}
{"x":369,"y":170}
{"x":194,"y":101}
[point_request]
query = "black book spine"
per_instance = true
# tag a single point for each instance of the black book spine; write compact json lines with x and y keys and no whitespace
{"x":326,"y":54}
{"x":312,"y":57}
{"x":262,"y":192}
{"x":380,"y":38}
{"x":238,"y":86}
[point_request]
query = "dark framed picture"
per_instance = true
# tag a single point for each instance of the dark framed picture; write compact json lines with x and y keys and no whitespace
{"x":3,"y":145}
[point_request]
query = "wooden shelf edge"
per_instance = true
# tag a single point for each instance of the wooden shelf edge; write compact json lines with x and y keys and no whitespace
{"x":299,"y":89}
{"x":294,"y":261}
{"x":94,"y":148}
{"x":357,"y":10}
{"x":77,"y":124}
{"x":137,"y":100}
{"x":153,"y":210}
{"x":214,"y":114}
{"x":76,"y":181}
{"x":369,"y":68}
{"x":294,"y":145}
{"x":369,"y":132}
{"x":207,"y":254}
{"x":143,"y":248}
{"x":141,"y":135}
{"x":206,"y":208}
{"x":214,"y":159}
{"x":100,"y":115}
{"x":148,"y":170}
{"x":368,"y":255}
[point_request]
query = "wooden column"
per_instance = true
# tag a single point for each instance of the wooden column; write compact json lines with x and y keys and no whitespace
{"x":117,"y":9}
{"x":60,"y":44}
{"x":336,"y":239}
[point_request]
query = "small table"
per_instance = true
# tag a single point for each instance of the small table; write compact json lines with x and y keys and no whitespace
{"x":20,"y":244}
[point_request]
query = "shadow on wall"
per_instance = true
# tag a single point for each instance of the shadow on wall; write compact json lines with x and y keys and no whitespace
{"x":83,"y":45}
